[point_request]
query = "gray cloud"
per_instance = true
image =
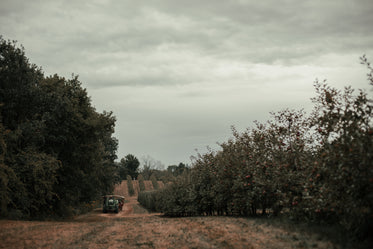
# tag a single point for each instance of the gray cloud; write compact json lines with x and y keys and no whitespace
{"x":177,"y":74}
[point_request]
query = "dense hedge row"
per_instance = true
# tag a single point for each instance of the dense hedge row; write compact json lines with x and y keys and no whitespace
{"x":141,"y":183}
{"x":131,"y":190}
{"x":154,"y":181}
{"x":150,"y":200}
{"x":315,"y":168}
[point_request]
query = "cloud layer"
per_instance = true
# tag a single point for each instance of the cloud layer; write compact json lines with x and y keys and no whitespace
{"x":177,"y":74}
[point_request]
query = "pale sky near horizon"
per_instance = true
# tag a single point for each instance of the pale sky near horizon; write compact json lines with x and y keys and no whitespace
{"x":178,"y":74}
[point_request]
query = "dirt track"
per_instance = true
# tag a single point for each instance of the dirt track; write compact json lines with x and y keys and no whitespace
{"x":134,"y":227}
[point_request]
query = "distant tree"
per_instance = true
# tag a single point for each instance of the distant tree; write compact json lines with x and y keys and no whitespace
{"x":146,"y":172}
{"x":172,"y":168}
{"x":177,"y":170}
{"x":151,"y":166}
{"x":122,"y":171}
{"x":129,"y":166}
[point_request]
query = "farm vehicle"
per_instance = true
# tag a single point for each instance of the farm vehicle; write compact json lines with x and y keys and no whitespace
{"x":112,"y":203}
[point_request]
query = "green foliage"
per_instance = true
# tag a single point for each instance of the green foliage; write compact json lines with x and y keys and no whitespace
{"x":150,"y":200}
{"x":57,"y":151}
{"x":38,"y":173}
{"x":141,"y":183}
{"x":154,"y":181}
{"x":129,"y":166}
{"x":7,"y":176}
{"x":131,"y":190}
{"x":18,"y":78}
{"x":179,"y":198}
{"x":342,"y":179}
{"x":177,"y":170}
{"x":175,"y":200}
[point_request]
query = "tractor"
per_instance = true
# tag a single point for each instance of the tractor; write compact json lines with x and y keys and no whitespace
{"x":112,"y":203}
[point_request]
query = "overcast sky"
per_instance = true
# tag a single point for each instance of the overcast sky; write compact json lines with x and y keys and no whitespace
{"x":178,"y":74}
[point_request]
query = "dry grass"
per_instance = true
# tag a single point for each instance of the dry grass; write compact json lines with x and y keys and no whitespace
{"x":134,"y":227}
{"x":153,"y":231}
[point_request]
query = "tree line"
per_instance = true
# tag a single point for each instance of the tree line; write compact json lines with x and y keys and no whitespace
{"x":129,"y":166}
{"x":56,"y":151}
{"x":314,"y":168}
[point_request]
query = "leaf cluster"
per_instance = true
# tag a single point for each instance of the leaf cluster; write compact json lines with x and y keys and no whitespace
{"x":57,"y":151}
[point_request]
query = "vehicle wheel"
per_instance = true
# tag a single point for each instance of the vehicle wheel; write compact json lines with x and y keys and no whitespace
{"x":105,"y":211}
{"x":116,"y":210}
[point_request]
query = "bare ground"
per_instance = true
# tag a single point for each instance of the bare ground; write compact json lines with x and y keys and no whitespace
{"x":134,"y":227}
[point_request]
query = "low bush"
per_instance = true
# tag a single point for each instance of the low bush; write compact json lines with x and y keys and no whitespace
{"x":150,"y":200}
{"x":154,"y":180}
{"x":131,"y":190}
{"x":141,"y":183}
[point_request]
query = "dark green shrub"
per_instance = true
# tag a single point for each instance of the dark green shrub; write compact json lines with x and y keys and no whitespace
{"x":141,"y":183}
{"x":150,"y":200}
{"x":154,"y":181}
{"x":131,"y":190}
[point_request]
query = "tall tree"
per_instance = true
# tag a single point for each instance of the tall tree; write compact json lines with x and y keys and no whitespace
{"x":28,"y":174}
{"x":129,"y":166}
{"x":56,"y":150}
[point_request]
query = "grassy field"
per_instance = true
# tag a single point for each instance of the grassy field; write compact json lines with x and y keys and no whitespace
{"x":135,"y":227}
